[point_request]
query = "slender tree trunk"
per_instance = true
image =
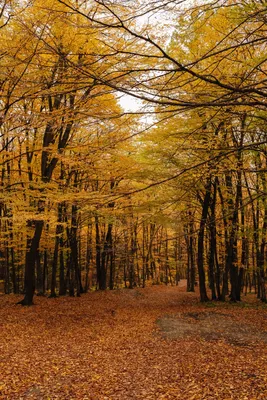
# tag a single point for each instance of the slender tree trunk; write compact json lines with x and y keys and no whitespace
{"x":14,"y":274}
{"x":54,"y":266}
{"x":244,"y":247}
{"x":39,"y":280}
{"x":212,"y":243}
{"x":45,"y":272}
{"x":143,"y":256}
{"x":88,"y":256}
{"x":62,"y":281}
{"x":262,"y":255}
{"x":7,"y":272}
{"x":59,"y":231}
{"x":99,"y":271}
{"x":74,"y":254}
{"x":189,"y":239}
{"x":200,"y":255}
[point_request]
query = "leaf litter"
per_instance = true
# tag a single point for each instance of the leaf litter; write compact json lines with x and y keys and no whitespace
{"x":153,"y":343}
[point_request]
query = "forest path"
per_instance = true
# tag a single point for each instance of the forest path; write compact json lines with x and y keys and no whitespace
{"x":153,"y":343}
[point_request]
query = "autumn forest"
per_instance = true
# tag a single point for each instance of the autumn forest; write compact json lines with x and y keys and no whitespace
{"x":133,"y":199}
{"x":97,"y":194}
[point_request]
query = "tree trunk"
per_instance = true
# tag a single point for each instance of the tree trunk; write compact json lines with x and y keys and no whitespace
{"x":62,"y":281}
{"x":101,"y":275}
{"x":59,"y":231}
{"x":31,"y":256}
{"x":39,"y":280}
{"x":200,"y":255}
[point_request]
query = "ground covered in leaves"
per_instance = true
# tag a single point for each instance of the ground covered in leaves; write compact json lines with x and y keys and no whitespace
{"x":153,"y":343}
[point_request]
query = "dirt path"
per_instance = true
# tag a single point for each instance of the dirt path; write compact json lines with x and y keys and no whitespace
{"x":154,"y":343}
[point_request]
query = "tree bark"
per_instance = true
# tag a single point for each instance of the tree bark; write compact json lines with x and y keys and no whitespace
{"x":200,"y":255}
{"x":31,"y":256}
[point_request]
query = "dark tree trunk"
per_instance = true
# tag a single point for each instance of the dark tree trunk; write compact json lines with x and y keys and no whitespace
{"x":111,"y":270}
{"x":45,"y":272}
{"x":7,"y":273}
{"x":39,"y":271}
{"x":101,"y":276}
{"x":54,"y":266}
{"x":88,"y":257}
{"x":143,"y":257}
{"x":225,"y":289}
{"x":177,"y":257}
{"x":62,"y":281}
{"x":75,"y":274}
{"x":244,"y":249}
{"x":262,"y":255}
{"x":232,"y":263}
{"x":131,"y":256}
{"x":192,"y":273}
{"x":212,"y":244}
{"x":13,"y":268}
{"x":188,"y":267}
{"x":59,"y":231}
{"x":212,"y":265}
{"x":31,"y":256}
{"x":105,"y":257}
{"x":200,"y":255}
{"x":14,"y":275}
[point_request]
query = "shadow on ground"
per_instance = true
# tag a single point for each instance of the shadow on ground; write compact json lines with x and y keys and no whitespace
{"x":210,"y":326}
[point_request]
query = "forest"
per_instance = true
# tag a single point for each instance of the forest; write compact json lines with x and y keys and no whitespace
{"x":133,"y":146}
{"x":133,"y":199}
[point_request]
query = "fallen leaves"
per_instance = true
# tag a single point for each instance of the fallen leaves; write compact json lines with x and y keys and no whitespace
{"x":107,"y":345}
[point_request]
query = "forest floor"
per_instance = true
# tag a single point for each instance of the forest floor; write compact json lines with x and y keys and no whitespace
{"x":153,"y":343}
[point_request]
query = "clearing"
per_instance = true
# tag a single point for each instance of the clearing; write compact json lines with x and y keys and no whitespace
{"x":153,"y":343}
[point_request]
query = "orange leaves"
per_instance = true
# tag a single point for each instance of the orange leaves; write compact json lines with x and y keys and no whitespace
{"x":78,"y":348}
